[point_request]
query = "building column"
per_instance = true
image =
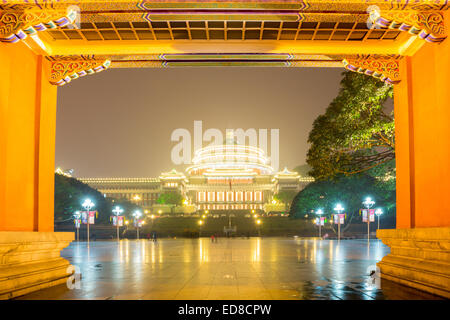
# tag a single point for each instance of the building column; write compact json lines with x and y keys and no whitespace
{"x":29,"y":249}
{"x":420,"y":246}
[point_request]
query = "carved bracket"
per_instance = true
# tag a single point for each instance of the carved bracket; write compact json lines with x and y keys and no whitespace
{"x":64,"y":71}
{"x":427,"y":25}
{"x":384,"y":68}
{"x":16,"y":25}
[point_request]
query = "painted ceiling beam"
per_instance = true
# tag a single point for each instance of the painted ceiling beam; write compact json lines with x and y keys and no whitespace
{"x":136,"y":47}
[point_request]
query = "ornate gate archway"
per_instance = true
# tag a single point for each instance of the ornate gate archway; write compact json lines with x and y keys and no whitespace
{"x":45,"y":44}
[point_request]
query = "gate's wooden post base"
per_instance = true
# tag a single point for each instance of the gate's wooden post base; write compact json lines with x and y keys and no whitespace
{"x":31,"y":261}
{"x":419,"y":258}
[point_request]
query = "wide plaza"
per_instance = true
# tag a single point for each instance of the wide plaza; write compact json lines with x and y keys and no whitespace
{"x":231,"y":268}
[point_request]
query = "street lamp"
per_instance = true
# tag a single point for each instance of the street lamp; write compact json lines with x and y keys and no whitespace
{"x":368,"y":203}
{"x":379,"y":212}
{"x":258,"y":223}
{"x":77,"y":216}
{"x":200,"y":223}
{"x":319,"y":213}
{"x":117,"y":211}
{"x":88,"y":205}
{"x":339,"y":208}
{"x":137,"y":214}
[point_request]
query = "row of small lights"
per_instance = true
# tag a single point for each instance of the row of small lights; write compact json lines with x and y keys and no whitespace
{"x":200,"y":222}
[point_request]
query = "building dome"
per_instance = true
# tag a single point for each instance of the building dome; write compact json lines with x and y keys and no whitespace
{"x":230,"y":159}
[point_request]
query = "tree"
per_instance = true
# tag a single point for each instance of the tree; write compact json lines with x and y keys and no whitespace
{"x":356,"y":133}
{"x":173,"y":199}
{"x":285,"y":197}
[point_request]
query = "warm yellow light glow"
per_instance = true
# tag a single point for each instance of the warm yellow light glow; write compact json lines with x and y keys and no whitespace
{"x":143,"y":222}
{"x":137,"y":47}
{"x":203,"y":216}
{"x":253,"y":211}
{"x":200,"y":222}
{"x":258,"y":221}
{"x":206,"y":211}
{"x":152,"y":216}
{"x":127,"y":222}
{"x":159,"y":211}
{"x":146,"y":211}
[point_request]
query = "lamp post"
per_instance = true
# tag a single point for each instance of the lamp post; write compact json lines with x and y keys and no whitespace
{"x":200,"y":223}
{"x":258,"y":223}
{"x":77,"y":216}
{"x":378,"y":212}
{"x":368,"y":203}
{"x":117,"y":211}
{"x":88,"y":205}
{"x":137,"y":214}
{"x":319,"y":213}
{"x":339,"y":208}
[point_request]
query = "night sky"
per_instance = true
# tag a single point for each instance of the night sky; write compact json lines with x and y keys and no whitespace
{"x":118,"y":123}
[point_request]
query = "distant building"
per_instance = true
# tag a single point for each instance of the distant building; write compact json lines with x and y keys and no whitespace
{"x":224,"y":177}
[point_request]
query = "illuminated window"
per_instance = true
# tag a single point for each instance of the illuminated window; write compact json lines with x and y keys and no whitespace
{"x":221,"y":196}
{"x":248,"y":196}
{"x":258,"y":196}
{"x":239,"y":196}
{"x":201,"y":196}
{"x":211,"y":196}
{"x":230,"y":196}
{"x":171,"y":184}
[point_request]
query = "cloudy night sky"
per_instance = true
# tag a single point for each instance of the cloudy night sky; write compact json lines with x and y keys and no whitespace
{"x":118,"y":123}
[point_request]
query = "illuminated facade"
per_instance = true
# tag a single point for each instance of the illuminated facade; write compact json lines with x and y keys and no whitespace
{"x":224,"y":177}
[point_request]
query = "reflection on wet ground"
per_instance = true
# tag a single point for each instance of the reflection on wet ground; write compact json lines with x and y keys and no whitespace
{"x":255,"y":268}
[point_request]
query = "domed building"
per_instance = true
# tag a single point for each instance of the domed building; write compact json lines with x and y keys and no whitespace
{"x":221,"y":178}
{"x":230,"y":177}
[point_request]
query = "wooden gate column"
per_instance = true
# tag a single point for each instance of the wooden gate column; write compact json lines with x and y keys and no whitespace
{"x":29,"y":249}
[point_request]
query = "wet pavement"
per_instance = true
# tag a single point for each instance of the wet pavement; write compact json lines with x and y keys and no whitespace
{"x":255,"y":268}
